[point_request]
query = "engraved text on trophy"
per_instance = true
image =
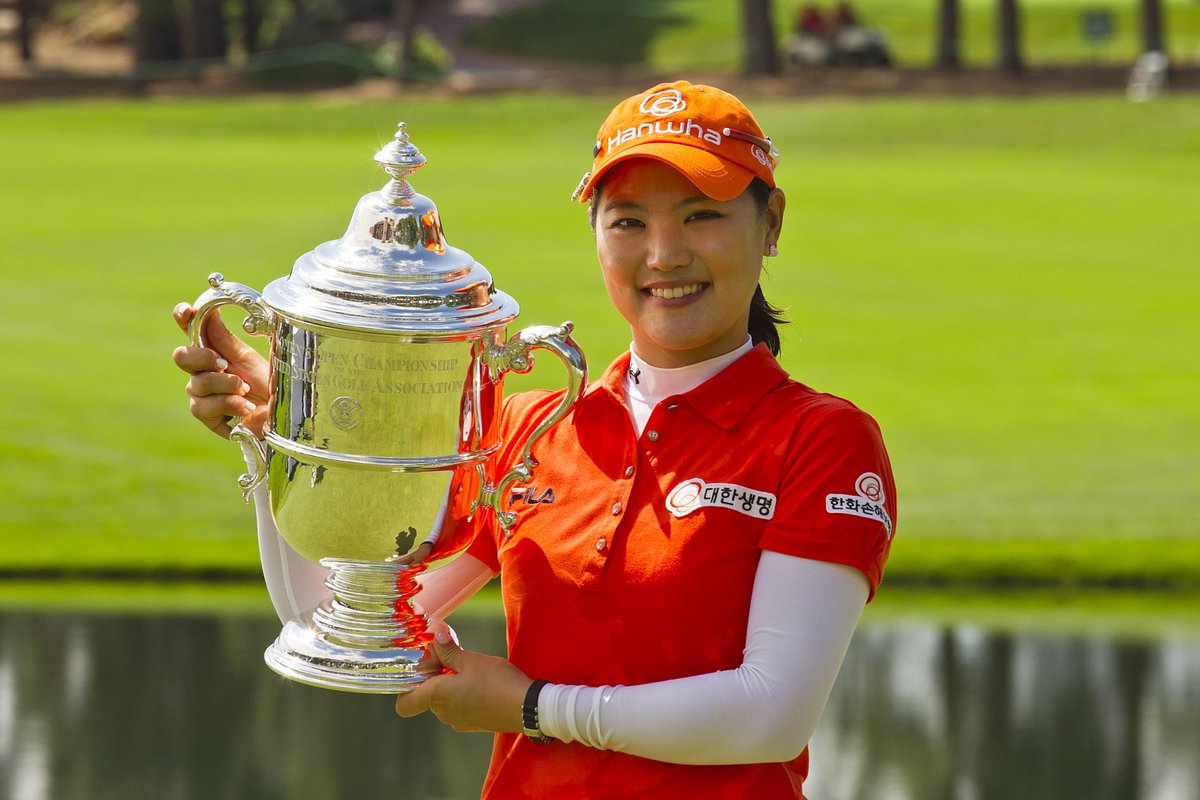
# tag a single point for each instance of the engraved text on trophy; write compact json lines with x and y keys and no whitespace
{"x":368,"y":397}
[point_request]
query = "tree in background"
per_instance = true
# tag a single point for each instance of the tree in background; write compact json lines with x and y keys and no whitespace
{"x":406,"y":14}
{"x":251,"y":24}
{"x":1152,"y":27}
{"x":156,"y":33}
{"x":946,"y":53}
{"x":759,"y":56}
{"x":204,"y":30}
{"x":1008,"y":37}
{"x":25,"y":25}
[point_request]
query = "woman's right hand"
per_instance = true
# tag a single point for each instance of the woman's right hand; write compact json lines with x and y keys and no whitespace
{"x":228,"y":378}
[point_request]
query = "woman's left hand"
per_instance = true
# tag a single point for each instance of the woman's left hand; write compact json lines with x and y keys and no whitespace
{"x":481,"y":693}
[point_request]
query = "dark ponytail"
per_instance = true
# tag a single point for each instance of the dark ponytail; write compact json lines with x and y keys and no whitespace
{"x":765,"y":318}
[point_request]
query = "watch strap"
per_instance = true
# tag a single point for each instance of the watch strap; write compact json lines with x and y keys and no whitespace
{"x":529,"y":713}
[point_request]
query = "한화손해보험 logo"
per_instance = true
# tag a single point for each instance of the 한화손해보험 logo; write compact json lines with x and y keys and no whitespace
{"x":867,"y":502}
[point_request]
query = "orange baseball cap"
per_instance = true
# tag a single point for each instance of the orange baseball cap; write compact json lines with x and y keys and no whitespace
{"x":705,"y":133}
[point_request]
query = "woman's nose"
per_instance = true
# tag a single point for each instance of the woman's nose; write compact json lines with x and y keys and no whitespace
{"x":666,"y":250}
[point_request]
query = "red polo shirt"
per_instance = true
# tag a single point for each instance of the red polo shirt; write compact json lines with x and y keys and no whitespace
{"x":633,"y":558}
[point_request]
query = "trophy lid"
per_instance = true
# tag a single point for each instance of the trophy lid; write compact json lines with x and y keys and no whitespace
{"x":392,"y":271}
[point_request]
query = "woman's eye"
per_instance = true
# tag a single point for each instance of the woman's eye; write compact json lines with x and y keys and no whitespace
{"x":625,"y":222}
{"x":699,"y":216}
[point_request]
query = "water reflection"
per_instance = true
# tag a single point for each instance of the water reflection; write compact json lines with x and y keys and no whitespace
{"x":115,"y":707}
{"x":926,"y":712}
{"x":130,"y":707}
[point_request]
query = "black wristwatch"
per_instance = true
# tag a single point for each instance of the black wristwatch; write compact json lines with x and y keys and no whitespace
{"x":529,"y":714}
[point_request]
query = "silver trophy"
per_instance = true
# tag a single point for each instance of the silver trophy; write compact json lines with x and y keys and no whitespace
{"x":388,"y":355}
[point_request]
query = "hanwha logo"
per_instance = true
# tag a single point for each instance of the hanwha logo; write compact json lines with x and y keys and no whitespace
{"x":345,"y":412}
{"x":870,"y":486}
{"x":662,"y":104}
{"x":759,"y":155}
{"x":685,"y":497}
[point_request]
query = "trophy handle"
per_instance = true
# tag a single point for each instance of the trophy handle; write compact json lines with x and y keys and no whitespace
{"x":517,"y":356}
{"x":258,"y":322}
{"x":256,"y":453}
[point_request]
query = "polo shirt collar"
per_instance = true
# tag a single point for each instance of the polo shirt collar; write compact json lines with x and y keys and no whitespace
{"x":612,"y":381}
{"x":724,"y":398}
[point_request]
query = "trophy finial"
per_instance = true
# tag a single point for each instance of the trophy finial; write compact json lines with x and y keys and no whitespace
{"x":399,"y":159}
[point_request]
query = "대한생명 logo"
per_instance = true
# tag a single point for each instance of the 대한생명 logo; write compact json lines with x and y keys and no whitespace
{"x":695,"y":493}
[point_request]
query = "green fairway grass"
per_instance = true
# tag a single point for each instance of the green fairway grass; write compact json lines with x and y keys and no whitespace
{"x":680,"y":35}
{"x":1007,"y":285}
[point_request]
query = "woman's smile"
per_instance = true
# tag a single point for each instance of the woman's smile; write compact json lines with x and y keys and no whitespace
{"x":669,"y":293}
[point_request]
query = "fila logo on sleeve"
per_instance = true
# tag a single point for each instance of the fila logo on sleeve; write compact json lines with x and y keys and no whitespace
{"x":696,"y":493}
{"x":867,"y":503}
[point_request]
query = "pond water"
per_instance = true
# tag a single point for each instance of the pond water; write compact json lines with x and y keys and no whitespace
{"x":98,"y":706}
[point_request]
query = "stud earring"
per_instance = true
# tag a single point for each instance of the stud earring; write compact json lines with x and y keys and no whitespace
{"x":772,"y":250}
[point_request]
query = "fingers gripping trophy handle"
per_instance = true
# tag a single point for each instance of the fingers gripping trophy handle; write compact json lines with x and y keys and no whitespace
{"x":223,"y":293}
{"x":517,"y":356}
{"x":258,"y":322}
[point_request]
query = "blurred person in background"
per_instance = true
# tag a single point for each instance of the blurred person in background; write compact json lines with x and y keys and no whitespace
{"x":809,"y":21}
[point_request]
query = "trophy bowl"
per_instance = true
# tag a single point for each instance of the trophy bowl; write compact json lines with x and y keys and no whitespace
{"x":388,"y":350}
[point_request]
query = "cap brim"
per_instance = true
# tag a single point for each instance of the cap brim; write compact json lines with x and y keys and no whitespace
{"x":713,"y":175}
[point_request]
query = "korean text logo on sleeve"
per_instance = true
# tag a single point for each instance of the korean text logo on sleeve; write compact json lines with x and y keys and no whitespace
{"x":867,"y":503}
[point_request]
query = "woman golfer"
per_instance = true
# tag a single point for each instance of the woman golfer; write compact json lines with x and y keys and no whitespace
{"x":679,"y":604}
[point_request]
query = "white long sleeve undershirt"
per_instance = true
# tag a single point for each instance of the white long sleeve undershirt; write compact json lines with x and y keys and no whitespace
{"x":802,"y":616}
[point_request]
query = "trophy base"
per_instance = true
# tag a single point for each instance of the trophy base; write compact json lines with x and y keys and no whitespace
{"x":366,"y":638}
{"x":305,"y":655}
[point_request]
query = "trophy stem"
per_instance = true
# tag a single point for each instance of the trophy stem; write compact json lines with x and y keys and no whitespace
{"x":366,"y":638}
